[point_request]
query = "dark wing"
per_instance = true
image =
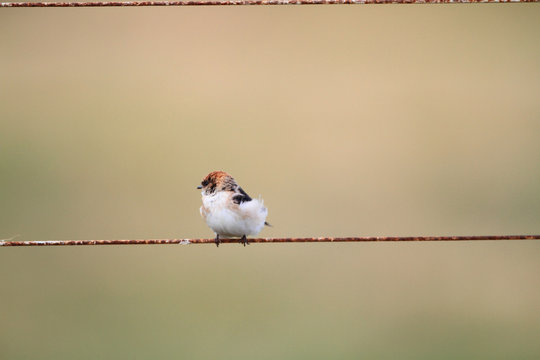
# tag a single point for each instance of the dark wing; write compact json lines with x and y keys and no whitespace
{"x":242,"y":197}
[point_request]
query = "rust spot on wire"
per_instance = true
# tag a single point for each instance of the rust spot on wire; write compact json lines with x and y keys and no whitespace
{"x":247,"y":2}
{"x":269,"y":240}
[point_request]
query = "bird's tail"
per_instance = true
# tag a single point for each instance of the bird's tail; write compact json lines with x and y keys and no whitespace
{"x":267,"y":223}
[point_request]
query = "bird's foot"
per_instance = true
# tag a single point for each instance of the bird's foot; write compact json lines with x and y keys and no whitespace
{"x":217,"y":240}
{"x":244,"y":240}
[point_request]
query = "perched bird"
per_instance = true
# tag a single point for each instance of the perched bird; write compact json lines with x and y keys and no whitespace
{"x":228,"y":210}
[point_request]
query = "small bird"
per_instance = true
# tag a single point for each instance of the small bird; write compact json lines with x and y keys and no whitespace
{"x":228,"y":210}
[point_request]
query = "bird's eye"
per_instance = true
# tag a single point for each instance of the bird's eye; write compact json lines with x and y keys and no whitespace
{"x":204,"y":183}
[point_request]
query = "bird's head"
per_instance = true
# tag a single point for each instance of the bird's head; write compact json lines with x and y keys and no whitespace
{"x":217,"y":181}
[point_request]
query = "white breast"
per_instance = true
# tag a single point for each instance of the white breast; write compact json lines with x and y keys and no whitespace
{"x":231,"y":220}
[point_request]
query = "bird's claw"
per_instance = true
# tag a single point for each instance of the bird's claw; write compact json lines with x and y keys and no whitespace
{"x":245,"y":240}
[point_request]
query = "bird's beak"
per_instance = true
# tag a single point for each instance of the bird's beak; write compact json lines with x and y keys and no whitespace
{"x":199,"y":187}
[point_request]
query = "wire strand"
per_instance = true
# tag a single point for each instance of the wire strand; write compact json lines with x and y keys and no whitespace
{"x":247,"y":2}
{"x":268,"y":240}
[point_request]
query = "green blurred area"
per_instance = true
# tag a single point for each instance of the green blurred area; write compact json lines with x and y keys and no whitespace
{"x":348,"y":120}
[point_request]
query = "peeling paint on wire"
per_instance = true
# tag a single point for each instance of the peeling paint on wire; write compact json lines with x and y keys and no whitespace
{"x":270,"y":240}
{"x":247,"y":2}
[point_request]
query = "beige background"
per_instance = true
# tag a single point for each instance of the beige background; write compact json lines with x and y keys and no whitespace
{"x":349,"y":120}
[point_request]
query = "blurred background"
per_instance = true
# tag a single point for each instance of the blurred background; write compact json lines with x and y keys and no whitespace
{"x":348,"y":120}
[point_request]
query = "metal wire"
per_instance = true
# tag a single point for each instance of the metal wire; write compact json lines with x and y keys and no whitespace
{"x":269,"y":240}
{"x":247,"y":2}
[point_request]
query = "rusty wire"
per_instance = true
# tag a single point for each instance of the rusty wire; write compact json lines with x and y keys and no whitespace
{"x":269,"y":240}
{"x":247,"y":2}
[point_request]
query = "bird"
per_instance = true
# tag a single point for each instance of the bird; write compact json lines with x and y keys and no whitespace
{"x":228,"y":210}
